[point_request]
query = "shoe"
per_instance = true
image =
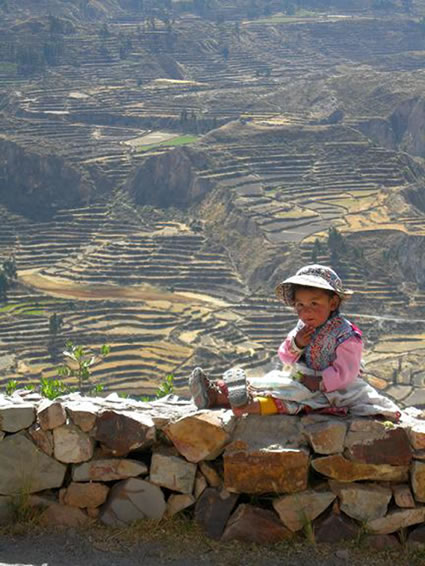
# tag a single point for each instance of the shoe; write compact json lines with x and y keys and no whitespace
{"x":235,"y":380}
{"x":203,"y":390}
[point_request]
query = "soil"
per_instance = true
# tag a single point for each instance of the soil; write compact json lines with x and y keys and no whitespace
{"x":140,"y":546}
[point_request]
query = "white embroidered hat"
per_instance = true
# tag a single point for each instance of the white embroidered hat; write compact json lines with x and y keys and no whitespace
{"x":315,"y":275}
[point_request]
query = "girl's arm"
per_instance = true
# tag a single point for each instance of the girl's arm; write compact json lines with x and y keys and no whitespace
{"x":288,"y":351}
{"x":346,"y":366}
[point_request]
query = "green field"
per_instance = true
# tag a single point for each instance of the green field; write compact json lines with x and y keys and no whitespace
{"x":179,"y":140}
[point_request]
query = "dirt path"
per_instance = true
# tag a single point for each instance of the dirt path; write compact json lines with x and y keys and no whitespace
{"x":103,"y":548}
{"x":65,"y":289}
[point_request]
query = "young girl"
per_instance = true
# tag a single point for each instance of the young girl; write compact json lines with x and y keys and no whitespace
{"x":323,"y":353}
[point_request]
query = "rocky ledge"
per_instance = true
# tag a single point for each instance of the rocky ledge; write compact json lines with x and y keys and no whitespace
{"x":263,"y":479}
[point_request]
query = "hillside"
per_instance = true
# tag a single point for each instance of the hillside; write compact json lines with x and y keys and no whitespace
{"x":162,"y":171}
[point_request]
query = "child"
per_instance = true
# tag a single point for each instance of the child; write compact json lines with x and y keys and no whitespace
{"x":323,"y":353}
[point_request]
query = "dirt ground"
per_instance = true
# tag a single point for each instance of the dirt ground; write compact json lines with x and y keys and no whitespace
{"x":184,"y":546}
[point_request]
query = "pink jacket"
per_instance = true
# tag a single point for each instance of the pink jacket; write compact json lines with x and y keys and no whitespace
{"x":343,"y":370}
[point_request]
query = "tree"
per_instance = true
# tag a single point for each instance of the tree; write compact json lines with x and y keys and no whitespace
{"x":316,"y":251}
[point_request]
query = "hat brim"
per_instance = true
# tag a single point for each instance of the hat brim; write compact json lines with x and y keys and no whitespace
{"x":283,"y":290}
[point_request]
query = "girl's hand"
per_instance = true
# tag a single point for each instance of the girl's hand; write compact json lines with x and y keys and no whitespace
{"x":311,"y":382}
{"x":303,"y":336}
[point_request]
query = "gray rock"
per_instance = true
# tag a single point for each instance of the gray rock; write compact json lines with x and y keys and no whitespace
{"x":296,"y":510}
{"x":14,"y":418}
{"x":396,"y":520}
{"x":25,"y":468}
{"x":108,"y":469}
{"x":213,"y":509}
{"x":363,"y":502}
{"x":133,"y":499}
{"x":172,"y":472}
{"x":72,"y":445}
{"x":50,"y":414}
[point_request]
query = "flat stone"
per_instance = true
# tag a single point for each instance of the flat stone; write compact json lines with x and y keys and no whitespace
{"x":339,"y":468}
{"x":417,"y":435}
{"x":201,"y":436}
{"x":372,"y":442}
{"x":327,"y":437}
{"x":25,"y":468}
{"x":257,"y":471}
{"x":83,"y":414}
{"x":274,"y":431}
{"x":335,"y":528}
{"x":51,"y":414}
{"x":296,"y":510}
{"x":178,"y":502}
{"x":211,"y":474}
{"x":57,"y":515}
{"x":72,"y":445}
{"x":43,"y":439}
{"x":253,"y":524}
{"x":172,"y":472}
{"x":133,"y":499}
{"x":381,"y":542}
{"x":7,"y":513}
{"x":417,"y":478}
{"x":213,"y":509}
{"x":200,"y":486}
{"x":396,"y":520}
{"x":84,"y":495}
{"x":125,"y":431}
{"x":108,"y":470}
{"x":416,"y":539}
{"x":363,"y":502}
{"x":14,"y":418}
{"x":403,"y":496}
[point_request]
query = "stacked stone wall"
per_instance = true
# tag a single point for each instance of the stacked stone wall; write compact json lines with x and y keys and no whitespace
{"x":262,"y":479}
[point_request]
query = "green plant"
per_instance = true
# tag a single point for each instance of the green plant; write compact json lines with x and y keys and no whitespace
{"x":165,"y":388}
{"x":80,"y":363}
{"x":11,"y":386}
{"x":52,"y":388}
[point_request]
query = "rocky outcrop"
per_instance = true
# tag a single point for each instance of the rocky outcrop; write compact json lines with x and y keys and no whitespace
{"x":35,"y":185}
{"x":327,"y":477}
{"x":170,"y":179}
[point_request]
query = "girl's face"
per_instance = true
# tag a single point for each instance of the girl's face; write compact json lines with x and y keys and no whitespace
{"x":314,"y":306}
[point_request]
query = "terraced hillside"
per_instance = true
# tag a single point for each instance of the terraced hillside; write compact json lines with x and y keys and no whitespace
{"x":159,"y":176}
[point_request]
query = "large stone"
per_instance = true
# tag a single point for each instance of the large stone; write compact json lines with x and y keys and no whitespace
{"x":326,"y":436}
{"x":172,"y":472}
{"x":72,"y":445}
{"x":200,"y":486}
{"x":57,"y":515}
{"x":14,"y":418}
{"x":335,"y":528}
{"x":51,"y":414}
{"x":42,"y":438}
{"x":396,"y":520}
{"x":26,"y":469}
{"x":201,"y":436}
{"x":297,"y":510}
{"x":178,"y":502}
{"x":416,"y":538}
{"x":84,"y":495}
{"x":213,"y":477}
{"x":403,"y":496}
{"x":372,"y":442}
{"x":274,"y":431}
{"x":123,"y":432}
{"x":417,"y":476}
{"x":339,"y":468}
{"x":83,"y":414}
{"x":417,"y":435}
{"x":133,"y":499}
{"x":7,"y":513}
{"x":108,"y":470}
{"x":253,"y":524}
{"x":213,"y":509}
{"x":268,"y":470}
{"x":363,"y":502}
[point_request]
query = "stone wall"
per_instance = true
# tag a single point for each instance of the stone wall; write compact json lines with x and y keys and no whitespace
{"x":263,"y":479}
